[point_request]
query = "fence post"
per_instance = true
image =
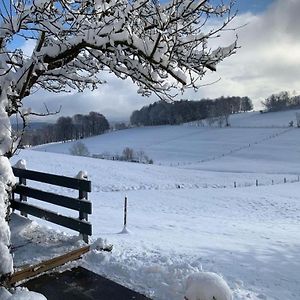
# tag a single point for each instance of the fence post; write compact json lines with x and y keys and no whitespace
{"x":234,"y":184}
{"x":284,"y":180}
{"x":125,"y":212}
{"x":21,"y":164}
{"x":22,"y":181}
{"x":256,"y":182}
{"x":83,"y":195}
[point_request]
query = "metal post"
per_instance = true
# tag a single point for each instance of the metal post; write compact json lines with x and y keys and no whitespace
{"x":256,"y":182}
{"x":284,"y":180}
{"x":235,"y":184}
{"x":125,"y":212}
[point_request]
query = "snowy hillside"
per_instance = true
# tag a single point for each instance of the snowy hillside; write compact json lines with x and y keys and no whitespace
{"x":256,"y":119}
{"x":185,"y":215}
{"x":240,"y":148}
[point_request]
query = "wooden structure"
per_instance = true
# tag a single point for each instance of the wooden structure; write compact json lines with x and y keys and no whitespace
{"x":80,"y":204}
{"x":77,"y":283}
{"x":44,"y":266}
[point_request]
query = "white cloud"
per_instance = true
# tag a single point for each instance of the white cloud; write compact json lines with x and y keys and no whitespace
{"x":115,"y":99}
{"x":269,"y":59}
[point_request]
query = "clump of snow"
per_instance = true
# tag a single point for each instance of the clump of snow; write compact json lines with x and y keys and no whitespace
{"x":21,"y":164}
{"x":100,"y":244}
{"x":207,"y":286}
{"x":4,"y":293}
{"x":82,"y":175}
{"x":20,"y":294}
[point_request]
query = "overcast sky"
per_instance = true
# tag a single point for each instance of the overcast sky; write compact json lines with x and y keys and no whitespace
{"x":267,"y":62}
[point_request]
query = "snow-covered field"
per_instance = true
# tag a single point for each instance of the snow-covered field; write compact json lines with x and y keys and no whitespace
{"x":184,"y":213}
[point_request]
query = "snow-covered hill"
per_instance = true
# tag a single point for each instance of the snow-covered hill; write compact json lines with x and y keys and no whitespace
{"x":185,"y":215}
{"x":255,"y":143}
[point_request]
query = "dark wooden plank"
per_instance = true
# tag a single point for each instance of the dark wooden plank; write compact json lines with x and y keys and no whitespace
{"x":47,"y":265}
{"x":83,"y":215}
{"x":69,"y":182}
{"x":75,"y":224}
{"x":22,"y":197}
{"x":80,"y":284}
{"x":68,"y":202}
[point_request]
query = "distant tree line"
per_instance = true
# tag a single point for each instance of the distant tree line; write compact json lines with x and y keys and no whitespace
{"x":162,"y":113}
{"x":281,"y":101}
{"x":67,"y":128}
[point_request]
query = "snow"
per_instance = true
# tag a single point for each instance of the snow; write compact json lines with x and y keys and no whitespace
{"x":21,"y":164}
{"x":20,"y":294}
{"x":253,"y":144}
{"x":6,"y":181}
{"x":186,"y":218}
{"x":32,"y":243}
{"x":207,"y":286}
{"x":82,"y":175}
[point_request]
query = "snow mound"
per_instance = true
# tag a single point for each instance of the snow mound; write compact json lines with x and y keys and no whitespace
{"x":101,"y":244}
{"x":124,"y":230}
{"x":82,"y":175}
{"x":20,"y":294}
{"x":21,"y":164}
{"x":207,"y":286}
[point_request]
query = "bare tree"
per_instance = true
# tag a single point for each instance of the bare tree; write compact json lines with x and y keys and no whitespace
{"x":79,"y":149}
{"x":128,"y":154}
{"x":161,"y":47}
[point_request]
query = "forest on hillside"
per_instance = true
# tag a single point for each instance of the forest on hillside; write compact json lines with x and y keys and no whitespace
{"x":67,"y":128}
{"x":217,"y":110}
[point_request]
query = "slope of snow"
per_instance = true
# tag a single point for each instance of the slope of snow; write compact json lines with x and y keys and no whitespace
{"x":249,"y":235}
{"x":256,"y":119}
{"x":240,"y":148}
{"x":184,"y":214}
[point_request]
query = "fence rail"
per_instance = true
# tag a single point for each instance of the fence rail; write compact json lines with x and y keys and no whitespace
{"x":64,"y":181}
{"x":80,"y":204}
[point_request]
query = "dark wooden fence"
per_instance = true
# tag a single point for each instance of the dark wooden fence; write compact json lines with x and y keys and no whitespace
{"x":80,"y":204}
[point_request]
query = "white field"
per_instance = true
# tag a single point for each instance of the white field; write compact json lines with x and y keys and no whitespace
{"x":184,"y":214}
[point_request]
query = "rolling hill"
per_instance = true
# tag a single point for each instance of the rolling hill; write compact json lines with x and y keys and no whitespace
{"x":184,"y":214}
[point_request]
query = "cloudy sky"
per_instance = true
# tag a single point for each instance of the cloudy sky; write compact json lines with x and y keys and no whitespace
{"x":267,"y":62}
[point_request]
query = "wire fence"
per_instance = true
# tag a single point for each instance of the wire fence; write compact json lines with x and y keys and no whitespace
{"x":235,"y":150}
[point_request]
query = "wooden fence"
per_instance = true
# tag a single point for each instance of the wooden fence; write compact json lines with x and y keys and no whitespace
{"x":80,"y":204}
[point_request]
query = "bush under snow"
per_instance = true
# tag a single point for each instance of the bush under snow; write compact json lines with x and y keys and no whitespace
{"x":207,"y":286}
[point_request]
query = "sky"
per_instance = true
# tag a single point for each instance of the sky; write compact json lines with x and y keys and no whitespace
{"x":267,"y":62}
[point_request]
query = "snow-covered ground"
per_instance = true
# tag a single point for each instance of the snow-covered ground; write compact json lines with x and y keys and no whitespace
{"x":184,"y":213}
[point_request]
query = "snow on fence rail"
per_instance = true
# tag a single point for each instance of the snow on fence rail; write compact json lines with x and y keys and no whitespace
{"x":80,"y":204}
